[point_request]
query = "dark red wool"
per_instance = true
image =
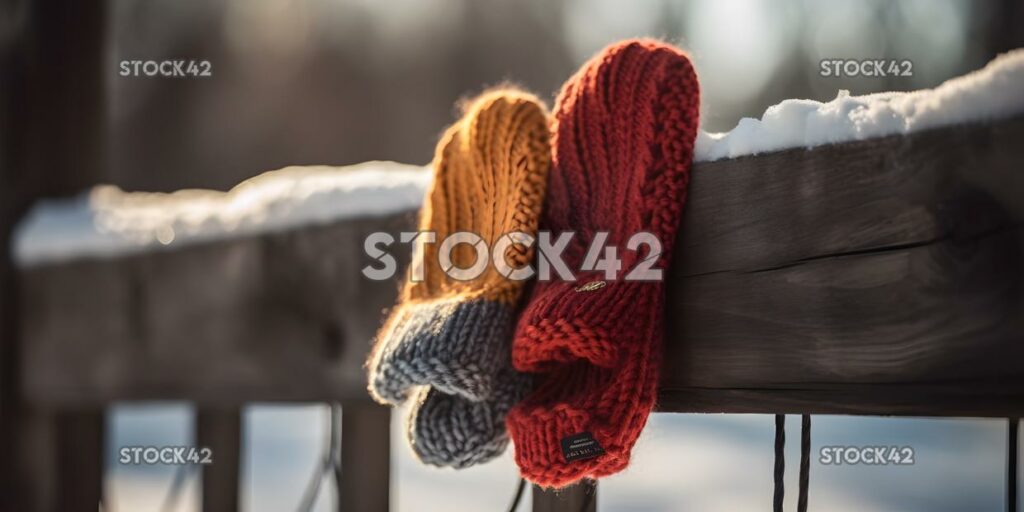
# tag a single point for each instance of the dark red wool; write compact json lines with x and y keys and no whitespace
{"x":624,"y":129}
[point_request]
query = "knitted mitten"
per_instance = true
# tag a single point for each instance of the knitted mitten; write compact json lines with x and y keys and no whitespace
{"x":624,"y":132}
{"x":452,"y":335}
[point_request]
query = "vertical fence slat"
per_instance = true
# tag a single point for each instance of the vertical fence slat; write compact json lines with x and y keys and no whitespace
{"x":365,"y":457}
{"x":220,"y":430}
{"x":57,"y":464}
{"x":79,"y":456}
{"x":580,"y":497}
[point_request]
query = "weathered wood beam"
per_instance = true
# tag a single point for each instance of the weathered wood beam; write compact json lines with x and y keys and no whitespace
{"x":284,"y":316}
{"x":874,"y":277}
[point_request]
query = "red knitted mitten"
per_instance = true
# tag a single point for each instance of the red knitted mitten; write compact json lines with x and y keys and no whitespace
{"x":624,"y":132}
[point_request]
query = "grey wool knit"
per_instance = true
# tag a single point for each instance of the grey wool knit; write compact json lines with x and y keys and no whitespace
{"x":446,"y":345}
{"x":447,"y":430}
{"x":457,"y":348}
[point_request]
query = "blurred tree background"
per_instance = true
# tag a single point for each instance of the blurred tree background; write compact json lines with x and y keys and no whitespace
{"x":300,"y":82}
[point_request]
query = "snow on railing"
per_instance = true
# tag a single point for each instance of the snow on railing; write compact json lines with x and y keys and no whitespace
{"x":993,"y":92}
{"x":107,"y":221}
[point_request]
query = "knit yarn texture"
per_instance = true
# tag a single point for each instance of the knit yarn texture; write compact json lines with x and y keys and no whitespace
{"x":623,"y":135}
{"x":446,"y":344}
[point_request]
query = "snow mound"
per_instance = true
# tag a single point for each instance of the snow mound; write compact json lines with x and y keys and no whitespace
{"x":107,"y":221}
{"x":995,"y":91}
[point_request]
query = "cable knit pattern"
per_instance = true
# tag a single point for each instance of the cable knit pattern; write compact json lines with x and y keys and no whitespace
{"x":624,"y":130}
{"x":448,"y":341}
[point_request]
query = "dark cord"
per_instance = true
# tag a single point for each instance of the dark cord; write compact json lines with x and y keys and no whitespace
{"x":177,"y":486}
{"x":1011,"y":465}
{"x":329,"y":463}
{"x":780,"y":461}
{"x":518,"y":495}
{"x":805,"y":461}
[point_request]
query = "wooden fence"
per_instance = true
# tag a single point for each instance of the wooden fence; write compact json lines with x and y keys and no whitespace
{"x":881,"y":277}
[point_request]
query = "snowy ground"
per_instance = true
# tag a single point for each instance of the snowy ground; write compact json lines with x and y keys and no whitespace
{"x":705,"y":463}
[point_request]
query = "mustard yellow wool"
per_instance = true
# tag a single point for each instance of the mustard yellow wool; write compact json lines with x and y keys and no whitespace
{"x":490,"y":174}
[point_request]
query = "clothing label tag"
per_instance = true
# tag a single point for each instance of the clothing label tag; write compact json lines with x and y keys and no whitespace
{"x":580,"y":446}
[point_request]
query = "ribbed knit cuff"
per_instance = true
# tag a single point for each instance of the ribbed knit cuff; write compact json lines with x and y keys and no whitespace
{"x":455,"y":346}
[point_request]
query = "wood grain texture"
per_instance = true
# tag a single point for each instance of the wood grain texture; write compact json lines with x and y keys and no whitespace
{"x":877,"y":277}
{"x":764,"y":211}
{"x":874,"y":277}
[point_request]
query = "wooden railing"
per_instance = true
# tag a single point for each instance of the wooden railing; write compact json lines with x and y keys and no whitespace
{"x":881,"y":277}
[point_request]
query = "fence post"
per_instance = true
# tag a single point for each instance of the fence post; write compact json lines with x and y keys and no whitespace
{"x":14,"y":198}
{"x":220,"y":430}
{"x":8,"y":309}
{"x":52,"y":142}
{"x":79,"y":458}
{"x":365,"y":457}
{"x":580,"y":497}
